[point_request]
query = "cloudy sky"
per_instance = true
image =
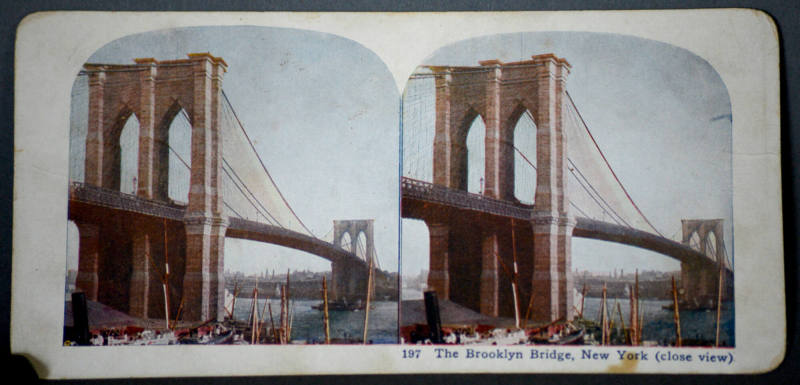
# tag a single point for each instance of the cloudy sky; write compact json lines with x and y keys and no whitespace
{"x":660,"y":114}
{"x":323,"y":114}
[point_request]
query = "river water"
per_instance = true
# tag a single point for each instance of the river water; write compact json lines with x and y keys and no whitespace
{"x":308,"y":326}
{"x":659,"y":324}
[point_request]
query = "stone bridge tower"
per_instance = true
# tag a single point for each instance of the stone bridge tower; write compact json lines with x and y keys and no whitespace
{"x":350,"y":277}
{"x":156,"y":91}
{"x":698,"y":282}
{"x":500,"y":93}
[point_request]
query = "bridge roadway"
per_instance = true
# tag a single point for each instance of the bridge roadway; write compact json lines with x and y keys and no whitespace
{"x":421,"y":198}
{"x":81,"y":193}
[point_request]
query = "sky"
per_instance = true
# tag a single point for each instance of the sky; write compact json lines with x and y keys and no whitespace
{"x":323,"y":113}
{"x":660,"y":114}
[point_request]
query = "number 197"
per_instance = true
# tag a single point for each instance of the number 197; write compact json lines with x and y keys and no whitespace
{"x":411,"y":353}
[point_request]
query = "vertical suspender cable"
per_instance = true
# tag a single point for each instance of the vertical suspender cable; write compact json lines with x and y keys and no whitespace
{"x":228,"y":102}
{"x":572,"y":102}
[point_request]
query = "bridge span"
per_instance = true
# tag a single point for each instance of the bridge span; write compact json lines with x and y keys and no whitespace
{"x":437,"y":204}
{"x":418,"y":193}
{"x":90,"y":204}
{"x":126,"y":240}
{"x":474,"y":238}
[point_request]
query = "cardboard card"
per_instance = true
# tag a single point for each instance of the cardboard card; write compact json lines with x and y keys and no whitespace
{"x":326,"y":193}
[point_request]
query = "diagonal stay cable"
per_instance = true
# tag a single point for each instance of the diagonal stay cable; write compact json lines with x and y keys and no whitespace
{"x":596,"y":201}
{"x":572,"y":171}
{"x":225,"y":162}
{"x":597,"y":193}
{"x":375,"y":256}
{"x":586,"y":127}
{"x":232,"y":210}
{"x":185,"y":115}
{"x":228,"y":103}
{"x":267,"y":215}
{"x":263,"y":210}
{"x":723,"y":258}
{"x":180,"y":158}
{"x":727,"y":257}
{"x":580,"y":174}
{"x":570,"y":201}
{"x":326,"y":234}
{"x":361,"y":247}
{"x":185,"y":164}
{"x":236,"y":180}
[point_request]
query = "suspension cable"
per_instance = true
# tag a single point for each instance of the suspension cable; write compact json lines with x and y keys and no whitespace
{"x":249,"y":191}
{"x":185,"y":164}
{"x":248,"y":199}
{"x":572,"y":170}
{"x":586,"y":127}
{"x":228,"y":102}
{"x":185,"y":115}
{"x":232,"y":210}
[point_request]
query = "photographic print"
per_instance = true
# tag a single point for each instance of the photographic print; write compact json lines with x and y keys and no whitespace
{"x":575,"y":196}
{"x":211,"y":197}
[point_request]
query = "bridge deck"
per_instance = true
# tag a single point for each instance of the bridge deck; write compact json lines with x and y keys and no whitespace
{"x":262,"y":232}
{"x":237,"y":227}
{"x":435,"y":195}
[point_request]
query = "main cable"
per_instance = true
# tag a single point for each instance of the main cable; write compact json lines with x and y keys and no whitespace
{"x":228,"y":102}
{"x":586,"y":127}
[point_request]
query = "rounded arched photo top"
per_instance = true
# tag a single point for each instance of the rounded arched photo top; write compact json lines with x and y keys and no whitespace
{"x":316,"y":108}
{"x":659,"y":115}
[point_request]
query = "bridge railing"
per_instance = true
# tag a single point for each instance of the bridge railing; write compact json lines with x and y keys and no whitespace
{"x":585,"y":227}
{"x":426,"y":191}
{"x":252,"y":230}
{"x":113,"y":199}
{"x":248,"y":225}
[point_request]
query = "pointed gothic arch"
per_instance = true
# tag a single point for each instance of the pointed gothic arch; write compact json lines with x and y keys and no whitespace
{"x":156,"y":91}
{"x":129,"y":155}
{"x":474,"y":158}
{"x":522,"y":125}
{"x":500,"y":93}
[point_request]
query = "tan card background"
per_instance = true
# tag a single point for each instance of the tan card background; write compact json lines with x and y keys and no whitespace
{"x":741,"y":45}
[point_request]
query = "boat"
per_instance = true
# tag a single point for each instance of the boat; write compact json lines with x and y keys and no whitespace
{"x":209,"y":339}
{"x":490,"y":335}
{"x":557,"y":334}
{"x":151,"y":337}
{"x":340,"y":306}
{"x":573,"y":338}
